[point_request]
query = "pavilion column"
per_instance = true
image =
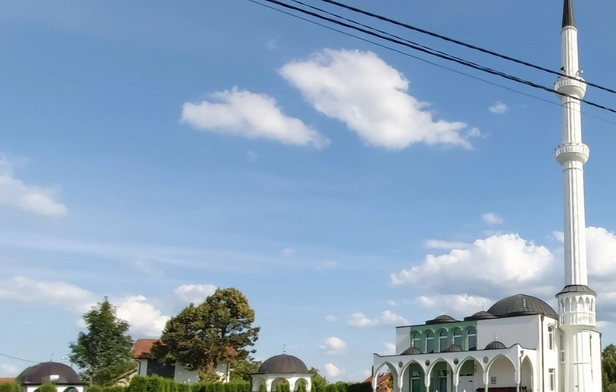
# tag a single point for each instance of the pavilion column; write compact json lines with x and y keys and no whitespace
{"x":456,"y":381}
{"x":486,"y":380}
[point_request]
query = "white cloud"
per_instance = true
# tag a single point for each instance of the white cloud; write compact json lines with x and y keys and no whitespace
{"x":325,"y":265}
{"x":499,"y":264}
{"x":446,"y":245}
{"x":334,"y":345}
{"x":360,"y":320}
{"x":141,"y":315}
{"x":8,"y":370}
{"x":271,"y":44}
{"x":491,"y":218}
{"x":288,"y":252}
{"x":499,"y":108}
{"x":194,"y":293}
{"x":378,"y":108}
{"x":332,"y":370}
{"x":251,"y":115}
{"x":34,"y":199}
{"x":251,"y":156}
{"x":331,"y":318}
{"x":388,"y":349}
{"x":391,"y":302}
{"x":454,"y":304}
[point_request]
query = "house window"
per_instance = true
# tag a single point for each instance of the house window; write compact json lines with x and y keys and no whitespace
{"x":457,"y":337}
{"x":552,"y":379}
{"x":471,"y":338}
{"x":551,"y":337}
{"x":442,"y":340}
{"x":415,"y":340}
{"x":429,"y":342}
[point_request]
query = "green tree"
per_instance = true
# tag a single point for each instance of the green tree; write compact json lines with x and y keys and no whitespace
{"x":199,"y":337}
{"x":9,"y":387}
{"x":319,"y":383}
{"x":104,"y":351}
{"x":46,"y":387}
{"x":608,"y":362}
{"x":241,"y":368}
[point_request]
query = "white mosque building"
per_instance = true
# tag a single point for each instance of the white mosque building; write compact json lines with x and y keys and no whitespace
{"x":520,"y":344}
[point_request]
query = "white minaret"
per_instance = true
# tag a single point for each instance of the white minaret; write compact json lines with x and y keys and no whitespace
{"x":576,"y":301}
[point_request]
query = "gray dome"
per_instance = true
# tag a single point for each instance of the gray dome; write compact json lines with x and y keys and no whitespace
{"x":56,"y":372}
{"x":482,"y":315}
{"x":521,"y":305}
{"x":495,"y":345}
{"x":442,"y":319}
{"x":452,"y":348}
{"x":283,"y":363}
{"x":411,"y":351}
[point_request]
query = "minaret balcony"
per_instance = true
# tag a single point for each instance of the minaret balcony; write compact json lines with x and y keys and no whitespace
{"x":571,"y":86}
{"x":578,"y":319}
{"x":576,"y":310}
{"x":573,"y":151}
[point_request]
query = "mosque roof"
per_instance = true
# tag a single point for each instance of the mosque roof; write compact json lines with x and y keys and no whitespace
{"x":520,"y":305}
{"x":283,"y":363}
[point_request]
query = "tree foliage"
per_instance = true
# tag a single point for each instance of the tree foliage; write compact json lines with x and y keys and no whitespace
{"x":241,"y":368}
{"x":104,"y":351}
{"x":199,"y":337}
{"x":46,"y":387}
{"x":9,"y":387}
{"x":608,"y":362}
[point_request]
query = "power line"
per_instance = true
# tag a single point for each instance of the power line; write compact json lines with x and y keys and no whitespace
{"x":423,"y":60}
{"x":17,"y":358}
{"x":458,"y":42}
{"x":442,"y":55}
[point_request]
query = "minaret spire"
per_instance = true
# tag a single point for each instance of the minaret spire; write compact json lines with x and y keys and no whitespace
{"x":576,"y":301}
{"x":568,"y":19}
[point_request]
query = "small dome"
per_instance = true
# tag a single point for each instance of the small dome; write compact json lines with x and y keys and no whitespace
{"x":442,"y":319}
{"x":495,"y":345}
{"x":520,"y":305}
{"x":411,"y":351}
{"x":283,"y":363}
{"x":452,"y":348}
{"x":482,"y":315}
{"x":56,"y":372}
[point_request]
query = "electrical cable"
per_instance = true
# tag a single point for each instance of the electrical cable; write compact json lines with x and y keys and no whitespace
{"x":458,"y":42}
{"x":424,"y":60}
{"x":441,"y":55}
{"x":17,"y":358}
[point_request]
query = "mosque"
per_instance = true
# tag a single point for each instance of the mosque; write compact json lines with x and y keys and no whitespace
{"x":520,"y":344}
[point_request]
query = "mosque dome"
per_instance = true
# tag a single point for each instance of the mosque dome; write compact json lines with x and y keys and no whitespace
{"x":283,"y":363}
{"x":453,"y":348}
{"x":55,"y":372}
{"x":411,"y":351}
{"x":521,"y":305}
{"x":495,"y":345}
{"x":442,"y":319}
{"x":482,"y":315}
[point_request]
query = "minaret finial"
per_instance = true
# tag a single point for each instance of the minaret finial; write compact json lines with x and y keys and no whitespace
{"x":568,"y":19}
{"x":284,"y":348}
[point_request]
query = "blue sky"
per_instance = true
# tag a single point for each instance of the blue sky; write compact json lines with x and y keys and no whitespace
{"x":151,"y":152}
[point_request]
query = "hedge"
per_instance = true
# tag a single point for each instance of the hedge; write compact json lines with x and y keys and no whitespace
{"x":9,"y":387}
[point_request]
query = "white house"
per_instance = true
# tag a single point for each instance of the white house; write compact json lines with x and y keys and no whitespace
{"x":148,"y":367}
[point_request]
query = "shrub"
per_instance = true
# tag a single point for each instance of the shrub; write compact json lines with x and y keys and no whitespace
{"x":9,"y":387}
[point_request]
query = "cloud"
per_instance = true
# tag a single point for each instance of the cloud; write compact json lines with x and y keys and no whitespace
{"x":331,"y":318}
{"x":194,"y":293}
{"x":332,"y":370}
{"x":8,"y":370}
{"x":37,"y":200}
{"x":499,"y":108}
{"x":271,"y":44}
{"x":454,"y":304}
{"x":378,"y":108}
{"x":388,"y":349}
{"x":143,"y":317}
{"x":251,"y":156}
{"x":360,"y":320}
{"x":446,"y":245}
{"x":288,"y":252}
{"x":326,"y":265}
{"x":334,"y":345}
{"x":500,"y":264}
{"x":251,"y":115}
{"x":491,"y":218}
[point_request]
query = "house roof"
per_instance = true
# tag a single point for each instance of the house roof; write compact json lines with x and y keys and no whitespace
{"x":381,"y":378}
{"x":142,"y":348}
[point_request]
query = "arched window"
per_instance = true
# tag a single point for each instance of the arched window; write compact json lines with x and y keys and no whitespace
{"x":442,"y":340}
{"x":429,"y":342}
{"x":415,"y":339}
{"x":551,"y":337}
{"x":457,"y":337}
{"x":471,"y":338}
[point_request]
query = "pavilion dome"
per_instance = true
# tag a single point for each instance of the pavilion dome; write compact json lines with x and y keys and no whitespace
{"x":482,"y":315}
{"x":521,"y":305}
{"x":55,"y":372}
{"x":411,"y":351}
{"x":283,"y":363}
{"x":453,"y":348}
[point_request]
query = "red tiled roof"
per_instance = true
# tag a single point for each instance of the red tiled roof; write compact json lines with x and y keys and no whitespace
{"x":142,"y":348}
{"x":7,"y":379}
{"x":381,"y":378}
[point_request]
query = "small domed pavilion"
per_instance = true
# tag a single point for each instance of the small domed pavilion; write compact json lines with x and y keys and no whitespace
{"x":281,"y":368}
{"x":62,"y":376}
